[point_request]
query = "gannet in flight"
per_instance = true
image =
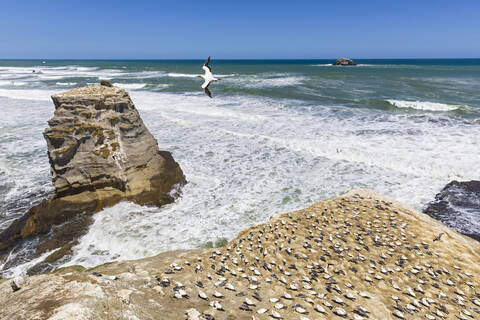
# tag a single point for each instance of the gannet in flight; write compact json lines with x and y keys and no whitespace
{"x":208,"y":77}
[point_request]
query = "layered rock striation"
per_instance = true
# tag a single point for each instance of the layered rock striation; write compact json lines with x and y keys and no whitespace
{"x":357,"y":256}
{"x":100,"y":153}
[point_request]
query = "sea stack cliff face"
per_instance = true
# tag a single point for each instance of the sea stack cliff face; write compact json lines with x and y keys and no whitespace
{"x":98,"y":145}
{"x":100,"y":153}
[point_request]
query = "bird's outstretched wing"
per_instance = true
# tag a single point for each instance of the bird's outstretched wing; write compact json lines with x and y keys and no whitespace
{"x":206,"y":66}
{"x":207,"y":92}
{"x":205,"y":84}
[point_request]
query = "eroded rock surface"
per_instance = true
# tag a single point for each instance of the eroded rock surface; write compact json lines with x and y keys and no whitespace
{"x":344,"y":62}
{"x":100,"y":153}
{"x":357,"y":256}
{"x":458,"y":206}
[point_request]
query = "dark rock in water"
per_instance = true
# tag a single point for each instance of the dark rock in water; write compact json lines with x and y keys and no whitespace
{"x":458,"y":206}
{"x":344,"y":62}
{"x":106,"y":83}
{"x":100,"y":153}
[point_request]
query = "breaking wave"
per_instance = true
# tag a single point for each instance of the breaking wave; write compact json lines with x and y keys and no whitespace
{"x":426,"y":105}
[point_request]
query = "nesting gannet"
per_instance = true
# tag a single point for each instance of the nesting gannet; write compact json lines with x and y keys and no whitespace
{"x":439,"y":237}
{"x":208,"y":77}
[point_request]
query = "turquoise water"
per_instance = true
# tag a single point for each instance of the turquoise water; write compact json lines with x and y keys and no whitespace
{"x":278,"y":135}
{"x":447,"y":81}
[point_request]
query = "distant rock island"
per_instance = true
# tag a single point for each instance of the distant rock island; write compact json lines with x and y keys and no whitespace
{"x":357,"y":256}
{"x":100,"y":153}
{"x":344,"y":62}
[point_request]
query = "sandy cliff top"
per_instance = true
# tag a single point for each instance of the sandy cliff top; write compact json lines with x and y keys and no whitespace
{"x":357,"y":256}
{"x":91,"y":90}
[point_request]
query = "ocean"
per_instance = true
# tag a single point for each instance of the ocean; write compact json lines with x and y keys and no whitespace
{"x":278,"y":135}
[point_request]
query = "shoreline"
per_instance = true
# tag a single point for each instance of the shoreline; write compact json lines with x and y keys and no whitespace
{"x":276,"y":138}
{"x":336,"y":231}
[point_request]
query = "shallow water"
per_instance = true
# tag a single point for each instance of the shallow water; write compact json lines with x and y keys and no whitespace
{"x":278,"y":136}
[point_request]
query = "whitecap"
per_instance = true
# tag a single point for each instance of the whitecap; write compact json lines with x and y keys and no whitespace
{"x":12,"y":83}
{"x":266,"y":81}
{"x":22,"y":268}
{"x":30,"y":94}
{"x":190,"y":75}
{"x":86,"y":68}
{"x":131,"y":86}
{"x":181,"y":75}
{"x":247,"y":158}
{"x":425,"y":105}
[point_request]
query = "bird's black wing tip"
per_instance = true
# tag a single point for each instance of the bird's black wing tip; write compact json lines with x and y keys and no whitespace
{"x":207,"y":61}
{"x":207,"y":92}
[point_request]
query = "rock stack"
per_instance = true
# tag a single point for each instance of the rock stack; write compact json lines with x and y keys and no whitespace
{"x":100,"y":153}
{"x":344,"y":62}
{"x":357,"y":256}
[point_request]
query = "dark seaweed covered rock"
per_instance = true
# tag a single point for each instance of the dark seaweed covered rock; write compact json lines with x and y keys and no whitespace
{"x":458,"y":206}
{"x":106,"y":83}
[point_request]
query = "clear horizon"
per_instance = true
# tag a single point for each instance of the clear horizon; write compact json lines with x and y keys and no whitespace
{"x":222,"y":59}
{"x":153,"y":30}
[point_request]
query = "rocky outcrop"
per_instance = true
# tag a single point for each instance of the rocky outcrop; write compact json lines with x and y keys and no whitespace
{"x":357,"y":256}
{"x":100,"y":153}
{"x":344,"y":62}
{"x":458,"y":206}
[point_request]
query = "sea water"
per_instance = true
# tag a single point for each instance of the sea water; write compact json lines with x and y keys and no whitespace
{"x":277,"y":136}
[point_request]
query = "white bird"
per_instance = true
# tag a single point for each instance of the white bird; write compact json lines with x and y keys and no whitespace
{"x":208,"y":77}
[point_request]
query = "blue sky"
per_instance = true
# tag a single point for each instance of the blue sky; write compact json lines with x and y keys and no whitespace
{"x":239,"y":29}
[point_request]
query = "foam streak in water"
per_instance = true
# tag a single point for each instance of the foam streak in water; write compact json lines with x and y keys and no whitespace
{"x":281,"y":160}
{"x":425,"y":105}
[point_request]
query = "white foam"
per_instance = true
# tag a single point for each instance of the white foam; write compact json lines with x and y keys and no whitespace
{"x":28,"y":94}
{"x":265,"y":81}
{"x":58,"y":73}
{"x":23,"y":268}
{"x":132,"y":86}
{"x":183,"y":103}
{"x":12,"y":83}
{"x":158,"y":86}
{"x":190,"y":75}
{"x":181,"y":75}
{"x":145,"y":74}
{"x":86,"y":68}
{"x":247,"y":158}
{"x":425,"y":105}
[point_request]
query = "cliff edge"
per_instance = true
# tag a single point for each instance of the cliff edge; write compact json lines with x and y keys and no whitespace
{"x":357,"y":256}
{"x":100,"y":153}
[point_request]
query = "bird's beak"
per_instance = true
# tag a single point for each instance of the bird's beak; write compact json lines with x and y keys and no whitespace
{"x":199,"y":76}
